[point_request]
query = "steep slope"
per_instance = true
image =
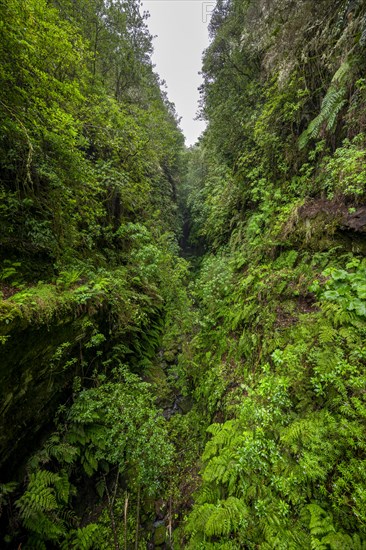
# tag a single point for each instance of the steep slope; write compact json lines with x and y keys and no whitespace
{"x":90,"y":157}
{"x":276,"y":191}
{"x":147,"y":403}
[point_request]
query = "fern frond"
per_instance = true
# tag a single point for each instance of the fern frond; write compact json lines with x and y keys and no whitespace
{"x":327,"y":334}
{"x":220,"y":519}
{"x":39,"y":507}
{"x":342,"y":72}
{"x":321,"y":523}
{"x":224,"y":435}
{"x":63,"y":452}
{"x":36,"y":500}
{"x":199,"y":517}
{"x":63,"y":487}
{"x":89,"y":462}
{"x":225,"y":517}
{"x":46,"y":528}
{"x":208,"y":494}
{"x":333,"y":101}
{"x":84,"y":538}
{"x":221,"y":468}
{"x":35,"y":543}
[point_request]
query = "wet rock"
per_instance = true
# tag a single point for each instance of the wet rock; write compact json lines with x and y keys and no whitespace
{"x":169,"y":356}
{"x":356,"y":220}
{"x":159,"y":533}
{"x":185,"y":404}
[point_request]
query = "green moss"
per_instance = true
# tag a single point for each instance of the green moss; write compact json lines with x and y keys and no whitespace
{"x":160,"y":535}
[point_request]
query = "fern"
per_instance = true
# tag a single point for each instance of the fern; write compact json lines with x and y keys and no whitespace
{"x":199,"y":517}
{"x":223,"y":469}
{"x":219,"y":519}
{"x":84,"y":538}
{"x":5,"y":491}
{"x":296,"y":433}
{"x":226,"y":517}
{"x":63,"y":452}
{"x":40,"y":496}
{"x":209,"y":493}
{"x":278,"y":536}
{"x":225,"y":435}
{"x":34,"y":543}
{"x":321,"y":523}
{"x":327,"y":334}
{"x":45,"y":528}
{"x":330,"y":108}
{"x":341,"y":74}
{"x":41,"y":504}
{"x":332,"y":104}
{"x":63,"y":487}
{"x":89,"y":462}
{"x":324,"y":534}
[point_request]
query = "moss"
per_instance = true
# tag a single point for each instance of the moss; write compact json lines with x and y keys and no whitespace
{"x":160,"y":535}
{"x":156,"y":375}
{"x":33,"y":385}
{"x":170,"y":356}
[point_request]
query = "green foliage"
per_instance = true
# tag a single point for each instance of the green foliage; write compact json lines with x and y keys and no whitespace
{"x":277,"y":360}
{"x":9,"y":270}
{"x":83,"y":538}
{"x":345,"y":171}
{"x":269,"y":343}
{"x":114,"y":425}
{"x":332,"y":104}
{"x":81,"y":152}
{"x":324,"y":535}
{"x":346,"y":288}
{"x":41,"y":505}
{"x":6,"y":489}
{"x":289,"y":395}
{"x":90,"y":163}
{"x":117,"y":423}
{"x":220,"y":519}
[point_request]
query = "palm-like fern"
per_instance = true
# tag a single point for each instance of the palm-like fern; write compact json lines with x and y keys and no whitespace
{"x":41,"y":504}
{"x":324,"y":534}
{"x":220,"y":519}
{"x":84,"y":538}
{"x":332,"y":103}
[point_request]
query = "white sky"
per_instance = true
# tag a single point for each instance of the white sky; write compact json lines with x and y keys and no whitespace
{"x":181,"y":29}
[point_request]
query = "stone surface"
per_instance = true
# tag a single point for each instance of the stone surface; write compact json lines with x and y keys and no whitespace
{"x":160,"y":535}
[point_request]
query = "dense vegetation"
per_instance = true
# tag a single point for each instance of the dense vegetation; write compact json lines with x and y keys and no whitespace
{"x":90,"y":155}
{"x":277,"y":193}
{"x":152,"y":401}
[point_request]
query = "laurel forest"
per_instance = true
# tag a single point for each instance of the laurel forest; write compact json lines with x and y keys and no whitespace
{"x":182,"y":330}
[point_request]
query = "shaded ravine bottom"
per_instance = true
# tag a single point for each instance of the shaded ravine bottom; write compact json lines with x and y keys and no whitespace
{"x":37,"y":377}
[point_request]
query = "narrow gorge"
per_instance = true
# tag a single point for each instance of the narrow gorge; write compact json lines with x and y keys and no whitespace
{"x":182,"y":329}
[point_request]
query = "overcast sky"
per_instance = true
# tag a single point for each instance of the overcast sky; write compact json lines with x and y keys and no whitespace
{"x":181,"y":29}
